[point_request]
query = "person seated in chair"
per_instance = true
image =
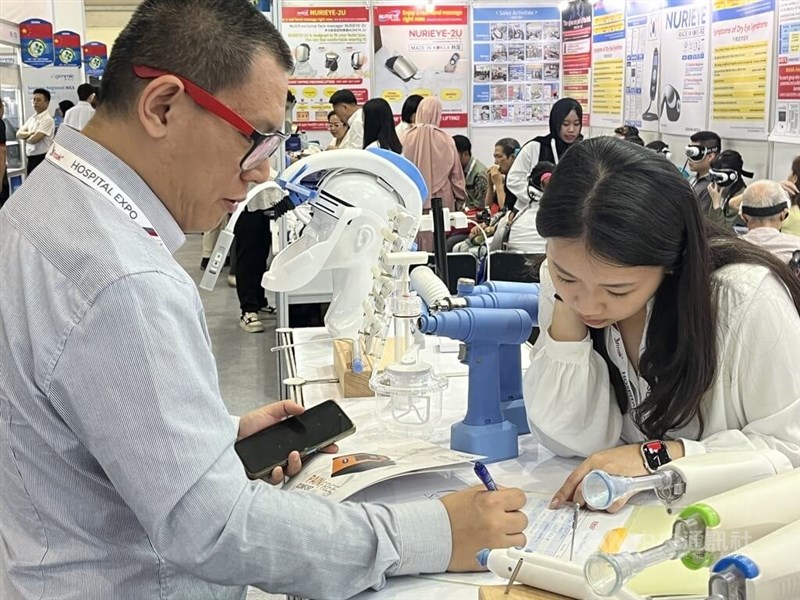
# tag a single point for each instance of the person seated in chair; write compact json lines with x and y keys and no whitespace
{"x":727,"y":174}
{"x":765,"y":205}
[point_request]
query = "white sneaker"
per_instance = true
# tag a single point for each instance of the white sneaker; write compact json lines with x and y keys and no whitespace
{"x":251,"y":323}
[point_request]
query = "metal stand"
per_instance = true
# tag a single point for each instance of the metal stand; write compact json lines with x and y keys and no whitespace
{"x":439,"y":245}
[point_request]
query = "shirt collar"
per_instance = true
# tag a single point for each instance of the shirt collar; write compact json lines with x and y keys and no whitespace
{"x":470,"y":165}
{"x":126,"y":179}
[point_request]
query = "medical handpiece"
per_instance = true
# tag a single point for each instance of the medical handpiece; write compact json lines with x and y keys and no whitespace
{"x":706,"y":530}
{"x":767,"y":569}
{"x":686,"y":480}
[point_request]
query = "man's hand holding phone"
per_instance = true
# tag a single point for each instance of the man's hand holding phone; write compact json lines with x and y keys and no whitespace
{"x":267,"y":416}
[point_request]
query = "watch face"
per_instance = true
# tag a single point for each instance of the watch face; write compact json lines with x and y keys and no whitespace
{"x":655,"y":454}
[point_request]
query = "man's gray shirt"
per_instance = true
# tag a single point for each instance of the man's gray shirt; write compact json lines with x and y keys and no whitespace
{"x":118,"y":477}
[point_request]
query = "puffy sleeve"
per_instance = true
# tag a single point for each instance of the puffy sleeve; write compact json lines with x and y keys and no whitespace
{"x":517,"y":178}
{"x":759,"y":378}
{"x":567,"y":390}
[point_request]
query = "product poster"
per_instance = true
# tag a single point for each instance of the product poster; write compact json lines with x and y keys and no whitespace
{"x":36,"y":43}
{"x":787,"y":121}
{"x":423,"y":51}
{"x":642,"y":64}
{"x":608,"y":63}
{"x":516,"y":62}
{"x":95,"y":57}
{"x":331,"y":52}
{"x":67,"y":45}
{"x":576,"y":62}
{"x":685,"y":38}
{"x":741,"y":34}
{"x":60,"y":82}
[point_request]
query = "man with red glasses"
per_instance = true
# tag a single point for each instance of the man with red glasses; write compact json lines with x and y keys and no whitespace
{"x":118,"y":477}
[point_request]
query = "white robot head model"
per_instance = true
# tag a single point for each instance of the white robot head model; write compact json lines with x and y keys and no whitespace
{"x":352,"y":204}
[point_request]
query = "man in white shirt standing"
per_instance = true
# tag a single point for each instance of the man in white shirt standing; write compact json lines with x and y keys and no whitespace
{"x":78,"y":116}
{"x":37,"y":132}
{"x":765,"y":205}
{"x":349,"y":112}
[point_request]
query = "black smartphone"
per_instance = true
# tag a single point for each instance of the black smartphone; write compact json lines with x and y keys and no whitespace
{"x":316,"y":428}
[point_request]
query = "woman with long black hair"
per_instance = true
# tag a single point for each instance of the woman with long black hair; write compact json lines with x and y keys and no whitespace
{"x":379,"y":126}
{"x":655,"y":325}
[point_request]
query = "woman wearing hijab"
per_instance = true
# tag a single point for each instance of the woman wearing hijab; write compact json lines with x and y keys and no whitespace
{"x":435,"y":155}
{"x":565,"y":129}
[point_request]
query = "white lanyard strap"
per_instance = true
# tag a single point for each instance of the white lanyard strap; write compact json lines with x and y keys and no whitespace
{"x":637,"y":389}
{"x":92,"y":177}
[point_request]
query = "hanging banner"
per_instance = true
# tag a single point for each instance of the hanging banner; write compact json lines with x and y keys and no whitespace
{"x":95,"y":57}
{"x":67,"y":45}
{"x":576,"y":62}
{"x":741,"y":34}
{"x":36,"y":43}
{"x":423,"y":51}
{"x":787,"y":122}
{"x":515,"y":75}
{"x":608,"y":63}
{"x":642,"y":64}
{"x":685,"y":39}
{"x":331,"y":52}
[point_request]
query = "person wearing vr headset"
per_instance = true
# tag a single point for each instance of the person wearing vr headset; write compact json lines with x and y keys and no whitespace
{"x":727,"y":181}
{"x":765,"y":206}
{"x":705,"y":146}
{"x":653,"y":325}
{"x":519,"y":233}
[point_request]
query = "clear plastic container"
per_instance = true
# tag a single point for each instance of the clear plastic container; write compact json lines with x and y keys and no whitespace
{"x":409,"y":399}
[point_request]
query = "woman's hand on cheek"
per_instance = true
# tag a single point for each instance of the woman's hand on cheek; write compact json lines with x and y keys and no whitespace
{"x":622,"y":460}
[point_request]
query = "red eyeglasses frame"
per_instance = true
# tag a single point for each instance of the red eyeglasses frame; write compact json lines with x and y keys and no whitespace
{"x":269,"y":141}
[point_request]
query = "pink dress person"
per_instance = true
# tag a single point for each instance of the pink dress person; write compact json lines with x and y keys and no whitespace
{"x":434,"y":153}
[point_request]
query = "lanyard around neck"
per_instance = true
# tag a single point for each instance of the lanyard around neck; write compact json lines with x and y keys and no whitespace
{"x":92,"y":177}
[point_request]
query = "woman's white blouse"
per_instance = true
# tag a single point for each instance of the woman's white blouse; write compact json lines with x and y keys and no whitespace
{"x":753,"y":403}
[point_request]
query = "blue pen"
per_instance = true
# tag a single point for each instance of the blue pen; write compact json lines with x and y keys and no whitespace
{"x":483,"y":474}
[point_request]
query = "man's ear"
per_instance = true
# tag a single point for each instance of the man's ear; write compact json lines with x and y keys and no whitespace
{"x":155,"y":102}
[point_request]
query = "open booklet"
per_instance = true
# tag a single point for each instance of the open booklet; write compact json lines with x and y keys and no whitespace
{"x":377,"y":469}
{"x":364,"y":461}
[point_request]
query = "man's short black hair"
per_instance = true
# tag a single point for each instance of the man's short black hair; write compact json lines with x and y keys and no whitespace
{"x":210,"y":42}
{"x":462,"y":143}
{"x":343,"y":97}
{"x":85,"y":91}
{"x":43,"y":92}
{"x":709,"y":139}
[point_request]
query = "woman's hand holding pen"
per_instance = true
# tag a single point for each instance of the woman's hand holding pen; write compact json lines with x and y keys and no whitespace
{"x":483,"y":519}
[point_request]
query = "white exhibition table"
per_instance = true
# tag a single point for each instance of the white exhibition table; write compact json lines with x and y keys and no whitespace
{"x":535,"y":470}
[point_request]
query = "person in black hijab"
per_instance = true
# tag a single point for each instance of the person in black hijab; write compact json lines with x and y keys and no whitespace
{"x":566,"y":118}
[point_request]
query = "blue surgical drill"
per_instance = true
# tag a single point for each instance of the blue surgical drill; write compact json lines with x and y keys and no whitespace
{"x":524,"y":296}
{"x":484,"y":331}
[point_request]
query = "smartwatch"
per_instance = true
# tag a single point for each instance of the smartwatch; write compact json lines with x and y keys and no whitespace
{"x":655,"y":455}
